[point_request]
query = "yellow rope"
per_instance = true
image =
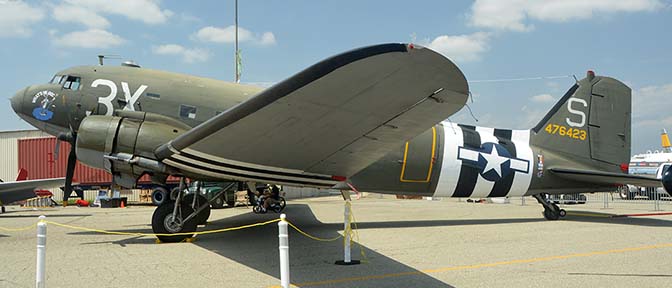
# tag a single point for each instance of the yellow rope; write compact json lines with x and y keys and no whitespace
{"x":353,"y":234}
{"x":18,"y":229}
{"x":161,"y":234}
{"x":313,"y":237}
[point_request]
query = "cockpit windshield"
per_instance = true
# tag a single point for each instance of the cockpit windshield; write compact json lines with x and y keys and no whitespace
{"x":57,"y":79}
{"x":67,"y":81}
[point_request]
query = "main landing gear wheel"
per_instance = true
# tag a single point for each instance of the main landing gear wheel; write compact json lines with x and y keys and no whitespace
{"x":201,"y":218}
{"x":163,"y":222}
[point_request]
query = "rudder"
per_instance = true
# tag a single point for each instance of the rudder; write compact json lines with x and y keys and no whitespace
{"x":591,"y":120}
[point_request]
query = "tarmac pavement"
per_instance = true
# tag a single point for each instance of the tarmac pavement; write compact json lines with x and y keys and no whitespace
{"x":406,"y":243}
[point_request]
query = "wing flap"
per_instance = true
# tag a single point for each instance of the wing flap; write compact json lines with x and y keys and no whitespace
{"x":334,"y":118}
{"x":607,"y":178}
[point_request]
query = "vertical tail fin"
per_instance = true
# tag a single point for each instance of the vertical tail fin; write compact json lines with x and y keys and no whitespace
{"x":23,"y":175}
{"x":591,"y":121}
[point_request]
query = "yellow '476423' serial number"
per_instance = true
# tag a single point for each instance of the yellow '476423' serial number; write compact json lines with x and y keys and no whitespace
{"x":574,"y":133}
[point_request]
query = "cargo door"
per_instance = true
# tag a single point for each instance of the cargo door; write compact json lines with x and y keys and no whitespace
{"x":418,"y":159}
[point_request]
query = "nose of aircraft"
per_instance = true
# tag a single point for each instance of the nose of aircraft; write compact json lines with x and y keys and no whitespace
{"x":17,"y":100}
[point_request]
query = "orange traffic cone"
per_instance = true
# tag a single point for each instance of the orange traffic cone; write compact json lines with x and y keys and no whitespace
{"x":122,"y":204}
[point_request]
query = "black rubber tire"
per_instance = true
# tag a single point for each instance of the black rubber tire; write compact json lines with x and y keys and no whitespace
{"x":550,"y":215}
{"x":231,"y":204}
{"x":280,"y":206}
{"x":201,"y":218}
{"x":159,"y":195}
{"x":217,"y":203}
{"x":257,"y":209}
{"x":158,"y":220}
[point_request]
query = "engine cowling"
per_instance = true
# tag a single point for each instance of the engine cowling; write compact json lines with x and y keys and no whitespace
{"x":101,"y":138}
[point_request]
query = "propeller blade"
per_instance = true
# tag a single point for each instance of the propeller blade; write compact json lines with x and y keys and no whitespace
{"x":57,"y":149}
{"x":70,"y":171}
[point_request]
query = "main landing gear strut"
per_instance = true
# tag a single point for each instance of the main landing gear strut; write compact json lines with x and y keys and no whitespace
{"x":551,"y":210}
{"x":181,"y":215}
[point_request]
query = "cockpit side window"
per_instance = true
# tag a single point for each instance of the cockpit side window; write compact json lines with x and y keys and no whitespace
{"x":71,"y":82}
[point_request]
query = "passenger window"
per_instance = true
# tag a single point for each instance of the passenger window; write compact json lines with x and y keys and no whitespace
{"x":187,"y":111}
{"x":71,"y":83}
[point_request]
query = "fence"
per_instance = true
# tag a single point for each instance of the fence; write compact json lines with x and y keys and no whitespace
{"x":646,"y":201}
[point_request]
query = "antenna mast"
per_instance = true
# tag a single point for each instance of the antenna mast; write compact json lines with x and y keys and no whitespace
{"x":237,"y":59}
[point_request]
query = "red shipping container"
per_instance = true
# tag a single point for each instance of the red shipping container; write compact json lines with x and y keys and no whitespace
{"x":37,"y":156}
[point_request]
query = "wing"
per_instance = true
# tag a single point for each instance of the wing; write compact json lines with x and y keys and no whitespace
{"x":607,"y":178}
{"x":334,"y":118}
{"x":21,"y":190}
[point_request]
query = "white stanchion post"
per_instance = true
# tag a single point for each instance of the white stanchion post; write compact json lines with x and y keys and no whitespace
{"x":283,"y":237}
{"x":347,"y":256}
{"x":41,"y":252}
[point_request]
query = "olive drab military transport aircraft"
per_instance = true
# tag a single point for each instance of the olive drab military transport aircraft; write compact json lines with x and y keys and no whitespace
{"x":370,"y":118}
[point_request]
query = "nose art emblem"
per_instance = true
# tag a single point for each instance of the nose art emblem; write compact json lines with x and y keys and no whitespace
{"x":43,"y":112}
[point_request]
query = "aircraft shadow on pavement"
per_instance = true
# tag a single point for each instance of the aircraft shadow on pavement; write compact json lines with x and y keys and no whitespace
{"x":604,"y":218}
{"x":311,"y":261}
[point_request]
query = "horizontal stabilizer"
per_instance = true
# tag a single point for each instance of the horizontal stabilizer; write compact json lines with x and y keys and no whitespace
{"x":609,"y":178}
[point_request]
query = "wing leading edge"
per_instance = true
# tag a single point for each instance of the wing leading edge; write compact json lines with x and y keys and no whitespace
{"x":334,"y":118}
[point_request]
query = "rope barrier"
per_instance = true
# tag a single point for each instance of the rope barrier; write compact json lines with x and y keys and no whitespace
{"x":162,"y":234}
{"x":19,"y":229}
{"x":354,"y":236}
{"x":313,"y":237}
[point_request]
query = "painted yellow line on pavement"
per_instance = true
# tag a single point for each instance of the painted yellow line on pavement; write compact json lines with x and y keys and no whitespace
{"x":478,"y":266}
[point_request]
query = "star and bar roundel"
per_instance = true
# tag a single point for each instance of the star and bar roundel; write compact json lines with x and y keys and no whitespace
{"x":493,"y":161}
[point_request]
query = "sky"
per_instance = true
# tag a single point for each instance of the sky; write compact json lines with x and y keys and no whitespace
{"x":520,"y":56}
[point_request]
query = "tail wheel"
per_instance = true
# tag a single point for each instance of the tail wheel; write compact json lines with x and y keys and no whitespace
{"x":164,"y":223}
{"x":562,"y":213}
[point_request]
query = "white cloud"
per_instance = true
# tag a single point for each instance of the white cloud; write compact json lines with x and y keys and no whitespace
{"x":650,"y":106}
{"x":92,"y":38}
{"x":17,"y":17}
{"x":267,"y":39}
{"x":462,"y":48}
{"x":188,"y":55}
{"x":542,"y":98}
{"x":77,"y":14}
{"x":228,"y":35}
{"x":515,"y":14}
{"x":147,"y":11}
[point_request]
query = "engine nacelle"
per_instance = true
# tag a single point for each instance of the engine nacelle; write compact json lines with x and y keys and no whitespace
{"x":101,"y":139}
